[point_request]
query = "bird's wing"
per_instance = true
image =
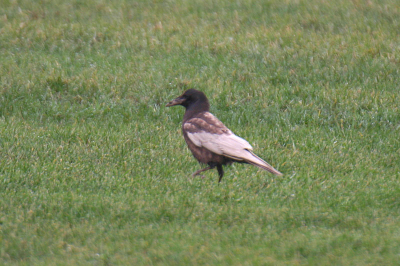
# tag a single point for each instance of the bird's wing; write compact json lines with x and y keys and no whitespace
{"x":205,"y":130}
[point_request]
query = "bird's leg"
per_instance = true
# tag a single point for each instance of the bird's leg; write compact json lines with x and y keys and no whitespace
{"x":202,"y":170}
{"x":220,"y":172}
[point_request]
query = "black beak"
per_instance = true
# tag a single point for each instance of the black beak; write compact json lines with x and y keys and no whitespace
{"x":176,"y":101}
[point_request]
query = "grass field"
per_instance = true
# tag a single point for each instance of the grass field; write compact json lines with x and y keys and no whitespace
{"x":94,"y":169}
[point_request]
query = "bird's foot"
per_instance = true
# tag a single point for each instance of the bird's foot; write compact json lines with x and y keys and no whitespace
{"x":200,"y":171}
{"x":194,"y":175}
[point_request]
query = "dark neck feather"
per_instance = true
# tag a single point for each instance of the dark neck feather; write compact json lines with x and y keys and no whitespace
{"x":195,"y":108}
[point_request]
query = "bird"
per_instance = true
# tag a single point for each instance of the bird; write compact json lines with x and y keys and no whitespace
{"x":209,"y":140}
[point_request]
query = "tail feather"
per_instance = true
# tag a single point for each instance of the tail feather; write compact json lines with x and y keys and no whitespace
{"x":257,"y":161}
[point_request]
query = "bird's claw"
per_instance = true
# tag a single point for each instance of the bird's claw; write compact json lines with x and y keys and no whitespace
{"x":194,"y":175}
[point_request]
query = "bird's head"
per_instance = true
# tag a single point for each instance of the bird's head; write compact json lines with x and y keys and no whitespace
{"x":190,"y":98}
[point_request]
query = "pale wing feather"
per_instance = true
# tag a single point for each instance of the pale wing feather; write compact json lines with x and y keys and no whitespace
{"x":222,"y":141}
{"x":230,"y":146}
{"x":223,"y":144}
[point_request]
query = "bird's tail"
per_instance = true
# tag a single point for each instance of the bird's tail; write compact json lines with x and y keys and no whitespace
{"x":257,"y":161}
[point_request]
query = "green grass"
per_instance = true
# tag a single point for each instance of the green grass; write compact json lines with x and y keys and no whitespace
{"x":94,"y":169}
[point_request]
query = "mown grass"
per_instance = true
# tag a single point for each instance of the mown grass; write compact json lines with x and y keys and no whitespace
{"x":93,"y":167}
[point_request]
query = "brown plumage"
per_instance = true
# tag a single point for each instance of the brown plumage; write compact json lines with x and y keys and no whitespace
{"x":209,"y":140}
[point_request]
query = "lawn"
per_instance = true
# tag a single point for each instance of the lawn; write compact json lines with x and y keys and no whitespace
{"x":94,"y":169}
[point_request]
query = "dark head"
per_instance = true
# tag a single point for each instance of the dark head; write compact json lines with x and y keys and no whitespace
{"x":192,"y":99}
